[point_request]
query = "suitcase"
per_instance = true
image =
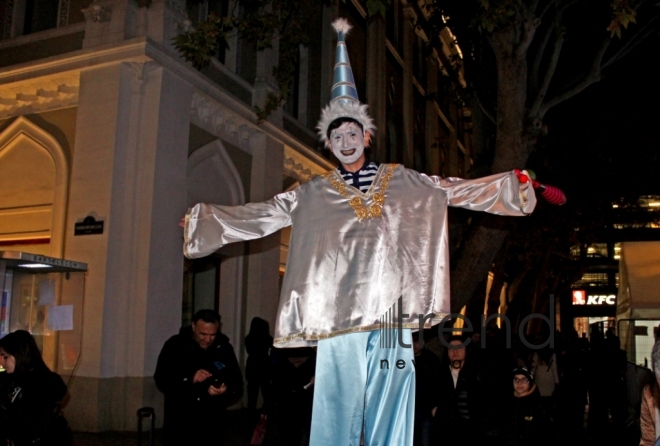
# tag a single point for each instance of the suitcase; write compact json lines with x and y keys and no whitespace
{"x":142,"y":413}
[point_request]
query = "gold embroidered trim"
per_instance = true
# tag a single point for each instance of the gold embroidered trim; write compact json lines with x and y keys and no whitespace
{"x":362,"y":211}
{"x":523,"y":202}
{"x":285,"y":339}
{"x":186,"y":236}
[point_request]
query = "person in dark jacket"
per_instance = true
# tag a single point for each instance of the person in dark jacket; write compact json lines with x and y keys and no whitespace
{"x":427,"y":369}
{"x":293,"y":393}
{"x":258,"y":368}
{"x":459,"y":417}
{"x":198,"y":372}
{"x":524,"y":411}
{"x":31,"y":395}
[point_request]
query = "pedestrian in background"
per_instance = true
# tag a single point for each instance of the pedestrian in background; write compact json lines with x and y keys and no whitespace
{"x":650,"y":411}
{"x":258,"y":368}
{"x":198,"y":373}
{"x":31,"y":396}
{"x":459,"y":417}
{"x":524,"y":413}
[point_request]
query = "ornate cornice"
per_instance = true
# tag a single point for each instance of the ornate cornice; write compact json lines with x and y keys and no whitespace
{"x":38,"y":95}
{"x":299,"y":166}
{"x":221,"y":121}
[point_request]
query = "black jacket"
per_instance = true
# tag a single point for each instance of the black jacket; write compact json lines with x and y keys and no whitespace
{"x":427,"y":372}
{"x":29,"y":409}
{"x":460,"y":414}
{"x":189,"y":409}
{"x":525,"y":419}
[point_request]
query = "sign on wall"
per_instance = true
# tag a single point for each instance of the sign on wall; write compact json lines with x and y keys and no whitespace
{"x":582,"y":297}
{"x":89,"y":226}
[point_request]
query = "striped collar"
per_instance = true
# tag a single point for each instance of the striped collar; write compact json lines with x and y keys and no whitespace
{"x":368,"y":165}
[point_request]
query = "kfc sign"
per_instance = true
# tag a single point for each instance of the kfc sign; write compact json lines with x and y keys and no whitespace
{"x":580,"y":297}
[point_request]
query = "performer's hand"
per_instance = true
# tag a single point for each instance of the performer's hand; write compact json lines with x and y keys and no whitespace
{"x":214,"y":391}
{"x":523,"y":176}
{"x":433,"y":411}
{"x":182,"y":223}
{"x":201,"y":375}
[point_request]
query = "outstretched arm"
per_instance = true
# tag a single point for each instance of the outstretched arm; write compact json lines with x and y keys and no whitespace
{"x":500,"y":194}
{"x":209,"y":227}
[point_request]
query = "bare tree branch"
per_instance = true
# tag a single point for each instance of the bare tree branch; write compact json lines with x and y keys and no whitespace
{"x":648,"y":29}
{"x":547,"y":8}
{"x":533,"y":5}
{"x":567,"y":4}
{"x":592,"y":76}
{"x":488,"y":114}
{"x":549,"y":73}
{"x":530,"y":25}
{"x":538,"y":58}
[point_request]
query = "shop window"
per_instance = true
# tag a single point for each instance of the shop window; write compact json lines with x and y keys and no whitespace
{"x":593,"y":280}
{"x":24,"y":17}
{"x":597,"y":250}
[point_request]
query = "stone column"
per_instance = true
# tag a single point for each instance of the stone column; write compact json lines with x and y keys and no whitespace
{"x":129,"y":168}
{"x":166,"y":19}
{"x":110,"y":21}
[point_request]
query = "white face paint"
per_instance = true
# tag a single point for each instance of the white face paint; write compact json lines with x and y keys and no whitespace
{"x":347,"y":143}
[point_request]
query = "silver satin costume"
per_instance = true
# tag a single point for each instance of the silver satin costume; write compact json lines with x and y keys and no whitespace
{"x":343,"y":273}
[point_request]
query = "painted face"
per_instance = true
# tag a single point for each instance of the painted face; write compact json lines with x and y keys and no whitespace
{"x":8,"y":361}
{"x":520,"y":384}
{"x":204,"y":333}
{"x":347,"y":143}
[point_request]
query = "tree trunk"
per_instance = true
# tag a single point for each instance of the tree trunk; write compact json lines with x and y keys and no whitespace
{"x":497,"y":283}
{"x":515,"y":138}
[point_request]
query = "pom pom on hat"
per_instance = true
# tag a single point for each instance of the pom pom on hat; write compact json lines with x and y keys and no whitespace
{"x":341,"y":25}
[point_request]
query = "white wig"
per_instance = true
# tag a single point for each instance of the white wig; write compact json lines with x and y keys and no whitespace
{"x":337,"y":110}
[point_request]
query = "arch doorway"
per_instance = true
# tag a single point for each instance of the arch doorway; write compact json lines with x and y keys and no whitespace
{"x":215,"y":281}
{"x":33,"y":190}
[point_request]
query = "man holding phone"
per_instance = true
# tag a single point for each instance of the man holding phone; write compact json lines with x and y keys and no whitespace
{"x":198,"y":372}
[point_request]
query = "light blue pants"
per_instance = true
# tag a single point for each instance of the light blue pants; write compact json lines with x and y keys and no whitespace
{"x":359,"y":383}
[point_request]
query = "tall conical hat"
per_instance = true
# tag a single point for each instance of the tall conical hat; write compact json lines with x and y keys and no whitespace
{"x":344,"y":101}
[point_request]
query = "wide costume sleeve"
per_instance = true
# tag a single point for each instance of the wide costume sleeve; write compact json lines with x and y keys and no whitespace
{"x":209,"y":227}
{"x":500,"y":194}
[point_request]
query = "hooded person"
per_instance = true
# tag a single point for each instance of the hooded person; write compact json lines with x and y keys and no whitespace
{"x":364,"y":239}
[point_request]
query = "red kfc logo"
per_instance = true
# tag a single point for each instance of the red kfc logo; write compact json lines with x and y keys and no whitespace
{"x":579,"y":297}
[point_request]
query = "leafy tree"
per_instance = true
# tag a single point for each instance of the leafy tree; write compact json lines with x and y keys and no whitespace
{"x":603,"y":149}
{"x":521,"y":59}
{"x":260,"y":22}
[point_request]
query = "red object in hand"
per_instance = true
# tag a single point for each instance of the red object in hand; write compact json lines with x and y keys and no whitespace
{"x":521,"y":176}
{"x":552,"y":195}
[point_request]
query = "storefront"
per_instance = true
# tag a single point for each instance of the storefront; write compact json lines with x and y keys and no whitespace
{"x":592,"y":308}
{"x":638,"y":301}
{"x":44,"y":296}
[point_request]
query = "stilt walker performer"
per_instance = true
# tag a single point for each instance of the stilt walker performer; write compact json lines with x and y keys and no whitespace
{"x":362,"y":236}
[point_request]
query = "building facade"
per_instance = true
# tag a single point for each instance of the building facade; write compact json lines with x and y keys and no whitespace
{"x":101,"y":118}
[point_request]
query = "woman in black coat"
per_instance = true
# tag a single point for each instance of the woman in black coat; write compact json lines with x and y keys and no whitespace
{"x":30,"y":396}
